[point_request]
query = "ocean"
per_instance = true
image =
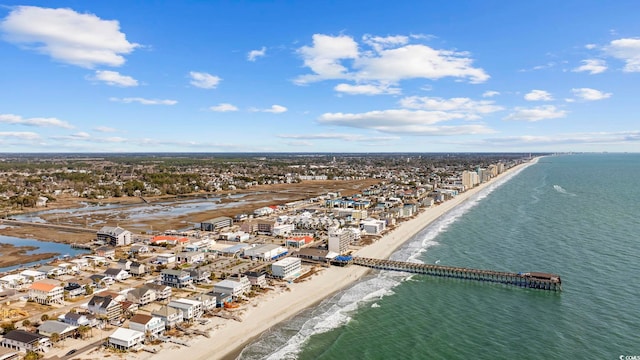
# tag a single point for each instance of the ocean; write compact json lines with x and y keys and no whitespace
{"x":574,"y":215}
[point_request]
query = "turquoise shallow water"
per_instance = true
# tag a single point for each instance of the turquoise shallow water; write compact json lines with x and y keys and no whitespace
{"x":573,"y":215}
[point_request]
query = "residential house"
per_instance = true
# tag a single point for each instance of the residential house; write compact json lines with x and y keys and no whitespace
{"x":170,"y":316}
{"x":258,"y":279}
{"x":106,"y":251}
{"x":105,"y":307}
{"x":150,"y":325}
{"x":73,"y":289}
{"x":76,"y":319}
{"x":101,"y":280}
{"x":25,"y":341}
{"x":126,"y":339}
{"x":139,"y":249}
{"x":141,"y":296}
{"x":124,"y":264}
{"x":208,"y":301}
{"x":117,"y":274}
{"x":162,"y":291}
{"x":165,"y":259}
{"x":33,"y":275}
{"x":63,"y":330}
{"x":12,"y":281}
{"x":137,"y":269}
{"x":221,"y":298}
{"x":190,"y":257}
{"x":51,"y":271}
{"x":46,"y":292}
{"x":114,"y":236}
{"x":191,"y":309}
{"x":176,"y":278}
{"x":233,"y":287}
{"x":199,"y":275}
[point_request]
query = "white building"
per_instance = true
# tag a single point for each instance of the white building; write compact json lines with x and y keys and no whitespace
{"x":373,"y":226}
{"x":165,"y":259}
{"x":146,"y":324}
{"x":191,"y":309}
{"x":125,"y":339}
{"x":339,"y":240}
{"x":287,"y":268}
{"x":265,"y":252}
{"x":235,"y":288}
{"x":282,"y":229}
{"x":46,"y":292}
{"x":114,"y":236}
{"x":33,"y":275}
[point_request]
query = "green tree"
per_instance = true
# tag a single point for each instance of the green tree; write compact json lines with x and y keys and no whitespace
{"x":26,"y":323}
{"x":8,"y":326}
{"x":44,"y":317}
{"x":55,"y":337}
{"x":32,"y":355}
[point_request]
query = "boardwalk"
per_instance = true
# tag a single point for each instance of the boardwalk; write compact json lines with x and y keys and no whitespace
{"x":533,"y":280}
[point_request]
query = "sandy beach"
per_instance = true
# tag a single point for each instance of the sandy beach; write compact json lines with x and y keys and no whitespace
{"x":229,"y":337}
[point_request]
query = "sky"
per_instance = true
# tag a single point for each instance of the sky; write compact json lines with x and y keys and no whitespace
{"x":319,"y":76}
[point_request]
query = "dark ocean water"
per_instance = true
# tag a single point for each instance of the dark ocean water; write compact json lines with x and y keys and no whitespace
{"x":575,"y":215}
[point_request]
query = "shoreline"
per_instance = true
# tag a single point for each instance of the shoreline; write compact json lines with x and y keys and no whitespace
{"x":264,"y":314}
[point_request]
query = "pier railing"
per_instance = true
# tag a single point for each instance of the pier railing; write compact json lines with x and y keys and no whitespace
{"x":532,"y":280}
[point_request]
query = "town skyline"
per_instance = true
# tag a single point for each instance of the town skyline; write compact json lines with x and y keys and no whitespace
{"x":315,"y":78}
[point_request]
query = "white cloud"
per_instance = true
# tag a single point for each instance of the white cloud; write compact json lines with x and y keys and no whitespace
{"x":379,"y":43}
{"x":104,"y":129}
{"x":538,"y":95}
{"x":490,"y":93}
{"x":467,"y":108}
{"x":223,"y":107}
{"x":403,"y":121}
{"x":627,"y":50}
{"x":67,"y":36}
{"x":22,"y":135}
{"x":593,"y":66}
{"x":204,"y":80}
{"x":390,"y":60}
{"x":39,"y":122}
{"x":115,"y":78}
{"x":368,"y":89}
{"x":144,"y":101}
{"x":599,"y":138}
{"x":338,"y":136}
{"x":536,"y":113}
{"x":590,"y":46}
{"x":276,"y":109}
{"x":254,"y":54}
{"x":324,"y":57}
{"x":588,"y":94}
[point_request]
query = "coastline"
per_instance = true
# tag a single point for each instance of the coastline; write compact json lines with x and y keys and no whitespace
{"x":275,"y":307}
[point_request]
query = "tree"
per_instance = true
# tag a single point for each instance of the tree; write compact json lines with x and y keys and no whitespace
{"x":83,"y":330}
{"x":8,"y":326}
{"x":32,"y":355}
{"x":44,"y":317}
{"x":26,"y":323}
{"x":55,"y":337}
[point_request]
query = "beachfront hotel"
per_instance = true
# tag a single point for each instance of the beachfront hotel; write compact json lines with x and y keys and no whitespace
{"x":287,"y":268}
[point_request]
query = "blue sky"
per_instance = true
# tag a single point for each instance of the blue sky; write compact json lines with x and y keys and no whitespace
{"x":319,"y":76}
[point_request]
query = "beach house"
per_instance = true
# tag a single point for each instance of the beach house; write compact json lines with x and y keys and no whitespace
{"x":126,"y":339}
{"x":151,"y":325}
{"x":25,"y":341}
{"x":170,"y":316}
{"x":46,"y":292}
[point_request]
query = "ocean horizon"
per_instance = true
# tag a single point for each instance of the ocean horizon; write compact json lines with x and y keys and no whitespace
{"x":573,"y":215}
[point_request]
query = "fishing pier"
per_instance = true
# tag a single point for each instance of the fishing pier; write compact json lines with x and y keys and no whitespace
{"x":531,"y":280}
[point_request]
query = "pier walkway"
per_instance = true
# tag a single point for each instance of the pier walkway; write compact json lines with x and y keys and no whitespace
{"x":532,"y":280}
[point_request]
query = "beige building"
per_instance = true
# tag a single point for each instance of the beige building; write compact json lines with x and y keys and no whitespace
{"x":46,"y":292}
